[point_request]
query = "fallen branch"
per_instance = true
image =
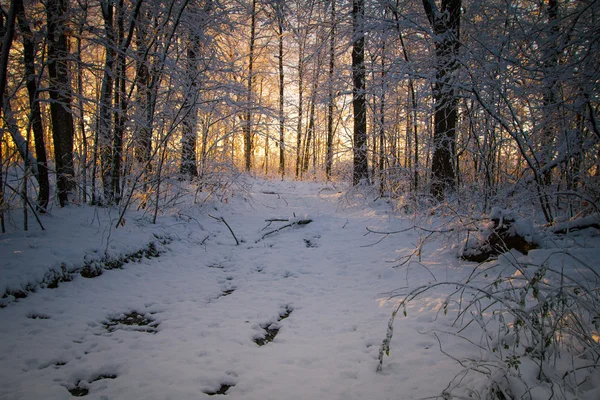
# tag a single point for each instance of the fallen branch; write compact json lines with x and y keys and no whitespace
{"x":299,"y":222}
{"x":221,"y":219}
{"x":270,"y":221}
{"x":279,"y":196}
{"x":563,"y":228}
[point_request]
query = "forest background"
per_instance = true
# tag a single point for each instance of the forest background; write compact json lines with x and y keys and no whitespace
{"x":485,"y":103}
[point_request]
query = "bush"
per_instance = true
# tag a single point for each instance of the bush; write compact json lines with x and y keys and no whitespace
{"x":537,"y":318}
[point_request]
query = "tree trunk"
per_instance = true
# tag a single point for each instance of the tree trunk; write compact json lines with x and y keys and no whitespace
{"x":143,"y":136}
{"x":300,"y":106}
{"x":120,"y":106}
{"x":188,"y":168}
{"x":361,"y":169}
{"x":60,"y":95}
{"x":36,"y":115}
{"x":281,"y":90}
{"x":382,"y":107}
{"x":81,"y":120}
{"x":248,"y":122}
{"x":106,"y":98}
{"x":329,"y":156}
{"x":446,"y":29}
{"x":550,"y":125}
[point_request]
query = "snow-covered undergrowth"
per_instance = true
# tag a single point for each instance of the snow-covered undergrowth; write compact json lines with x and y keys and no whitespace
{"x":251,"y":301}
{"x":529,"y":322}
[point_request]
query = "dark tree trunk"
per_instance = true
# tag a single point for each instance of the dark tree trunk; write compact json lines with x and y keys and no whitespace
{"x":381,"y":134}
{"x":143,"y":140}
{"x":188,"y":167}
{"x":60,"y":96}
{"x":446,"y":29}
{"x":550,"y":125}
{"x":106,"y":97}
{"x":309,"y":132}
{"x":248,"y":123}
{"x":281,"y":90}
{"x":300,"y":107}
{"x":7,"y":33}
{"x":329,"y":155}
{"x":120,"y":106}
{"x":81,"y":119}
{"x":361,"y":169}
{"x":36,"y":115}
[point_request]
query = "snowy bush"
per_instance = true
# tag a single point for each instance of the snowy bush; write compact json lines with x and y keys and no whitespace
{"x":533,"y":322}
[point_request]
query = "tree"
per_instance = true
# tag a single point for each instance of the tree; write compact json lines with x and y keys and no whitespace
{"x":34,"y":104}
{"x":60,"y":95}
{"x":105,"y":126}
{"x":361,"y":169}
{"x":248,"y":148}
{"x":330,"y":97}
{"x":280,"y":25}
{"x":188,"y":168}
{"x":445,"y":24}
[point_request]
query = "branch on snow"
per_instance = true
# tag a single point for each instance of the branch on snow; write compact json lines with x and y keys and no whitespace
{"x":221,"y":219}
{"x":293,"y":223}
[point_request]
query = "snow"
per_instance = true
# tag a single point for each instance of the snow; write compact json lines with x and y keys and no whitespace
{"x":207,"y":300}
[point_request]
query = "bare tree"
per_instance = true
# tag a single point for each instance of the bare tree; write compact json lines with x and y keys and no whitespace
{"x":61,"y":95}
{"x":248,"y":117}
{"x":361,"y":169}
{"x":330,"y":99}
{"x":36,"y":115}
{"x":445,"y":24}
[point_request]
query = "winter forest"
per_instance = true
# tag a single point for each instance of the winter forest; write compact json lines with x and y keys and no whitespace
{"x":382,"y":199}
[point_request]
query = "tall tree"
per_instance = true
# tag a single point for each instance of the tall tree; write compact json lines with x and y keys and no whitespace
{"x":359,"y":103}
{"x":34,"y":104}
{"x":188,"y":168}
{"x":445,"y":24}
{"x":248,"y":118}
{"x":330,"y":97}
{"x":60,"y":94}
{"x":280,"y":26}
{"x":105,"y":126}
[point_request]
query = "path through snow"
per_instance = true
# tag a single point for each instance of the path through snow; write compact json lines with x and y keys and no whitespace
{"x":208,"y":304}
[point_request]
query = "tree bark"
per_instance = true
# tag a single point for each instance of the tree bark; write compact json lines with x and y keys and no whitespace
{"x":106,"y":98}
{"x":329,"y":155}
{"x":188,"y":168}
{"x":36,"y":115}
{"x":445,"y":24}
{"x":143,"y":136}
{"x":281,"y":90}
{"x":60,"y":94}
{"x":120,"y":104}
{"x":248,"y":123}
{"x":361,"y":169}
{"x":550,"y":125}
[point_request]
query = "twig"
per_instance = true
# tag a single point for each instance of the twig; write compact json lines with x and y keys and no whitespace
{"x":377,"y":242}
{"x":204,"y":240}
{"x":279,"y":196}
{"x":221,"y":219}
{"x":28,"y":203}
{"x":270,"y":221}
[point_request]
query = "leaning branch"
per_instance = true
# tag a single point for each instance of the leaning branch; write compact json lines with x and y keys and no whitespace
{"x":221,"y":219}
{"x":28,"y":203}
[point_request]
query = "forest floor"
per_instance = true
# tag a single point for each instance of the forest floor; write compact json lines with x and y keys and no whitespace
{"x":299,"y":313}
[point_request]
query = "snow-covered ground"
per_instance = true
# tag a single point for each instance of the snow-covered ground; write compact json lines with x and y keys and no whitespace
{"x":323,"y":284}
